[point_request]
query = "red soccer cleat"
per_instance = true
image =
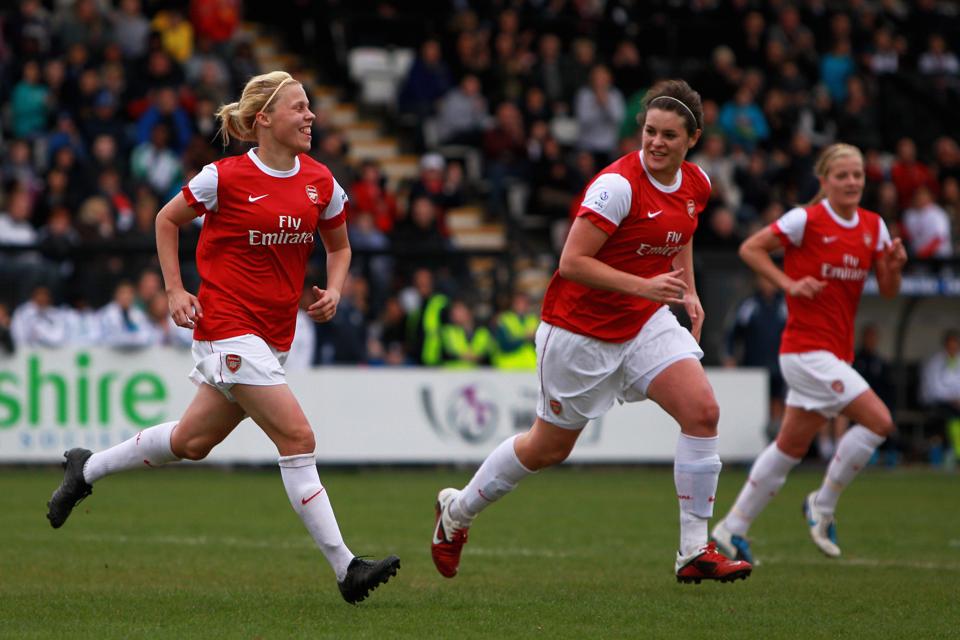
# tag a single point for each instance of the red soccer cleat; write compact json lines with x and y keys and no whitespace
{"x":710,"y":564}
{"x":448,"y":536}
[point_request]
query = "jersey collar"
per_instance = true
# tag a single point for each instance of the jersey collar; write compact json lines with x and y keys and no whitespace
{"x":666,"y":188}
{"x":843,"y":222}
{"x":273,"y":172}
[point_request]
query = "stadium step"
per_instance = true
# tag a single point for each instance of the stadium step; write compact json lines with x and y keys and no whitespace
{"x":378,"y":148}
{"x":481,"y":237}
{"x":464,"y":218}
{"x":400,"y":168}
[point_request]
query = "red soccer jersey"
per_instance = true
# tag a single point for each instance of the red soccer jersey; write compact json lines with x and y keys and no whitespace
{"x":258,"y":232}
{"x":648,"y":224}
{"x":821,"y":244}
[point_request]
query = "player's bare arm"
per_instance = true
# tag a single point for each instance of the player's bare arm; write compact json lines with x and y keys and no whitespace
{"x":579,"y":264}
{"x":756,"y":250}
{"x":184,"y":307}
{"x":890,"y":268}
{"x":691,"y":301}
{"x":337,"y":245}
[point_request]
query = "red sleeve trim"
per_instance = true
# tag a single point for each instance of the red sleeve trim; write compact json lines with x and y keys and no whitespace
{"x":598,"y":220}
{"x":192,"y":201}
{"x":781,"y":236}
{"x":332,"y":223}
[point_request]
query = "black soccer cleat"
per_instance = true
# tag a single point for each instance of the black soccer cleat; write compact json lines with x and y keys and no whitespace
{"x":363,"y":576}
{"x":72,"y":490}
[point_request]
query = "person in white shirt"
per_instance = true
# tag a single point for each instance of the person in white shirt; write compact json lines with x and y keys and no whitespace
{"x":38,"y":323}
{"x":927,"y":227}
{"x":940,"y":389}
{"x":124,"y":325}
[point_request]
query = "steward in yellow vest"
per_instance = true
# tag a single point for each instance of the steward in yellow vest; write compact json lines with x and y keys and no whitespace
{"x":515,"y":347}
{"x":464,"y":345}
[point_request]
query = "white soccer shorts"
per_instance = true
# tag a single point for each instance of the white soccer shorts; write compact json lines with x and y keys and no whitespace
{"x":820,"y":381}
{"x":245,"y":359}
{"x":581,"y":377}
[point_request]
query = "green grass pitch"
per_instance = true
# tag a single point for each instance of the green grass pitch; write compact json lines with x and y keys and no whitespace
{"x":573,"y":553}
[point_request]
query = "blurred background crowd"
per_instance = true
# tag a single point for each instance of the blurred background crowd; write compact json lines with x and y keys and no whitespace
{"x":464,"y":132}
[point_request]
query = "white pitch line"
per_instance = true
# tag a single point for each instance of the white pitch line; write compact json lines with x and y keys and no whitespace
{"x":862,"y":562}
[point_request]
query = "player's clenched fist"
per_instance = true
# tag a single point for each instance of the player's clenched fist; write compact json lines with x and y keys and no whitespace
{"x":185,"y":309}
{"x":806,"y":287}
{"x":666,"y":287}
{"x":325,"y":306}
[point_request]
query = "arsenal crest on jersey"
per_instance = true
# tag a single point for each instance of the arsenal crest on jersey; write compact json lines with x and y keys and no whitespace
{"x":867,"y":239}
{"x":691,"y":207}
{"x":312,"y":194}
{"x":233,"y":362}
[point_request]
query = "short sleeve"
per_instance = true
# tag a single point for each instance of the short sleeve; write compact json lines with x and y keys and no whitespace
{"x":337,"y":201}
{"x":607,"y":201}
{"x":790,"y":226}
{"x":201,"y":191}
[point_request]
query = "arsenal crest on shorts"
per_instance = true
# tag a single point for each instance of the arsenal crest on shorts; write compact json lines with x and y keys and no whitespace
{"x":837,"y":386}
{"x":691,"y":207}
{"x":233,"y":362}
{"x":555,"y":406}
{"x":312,"y":194}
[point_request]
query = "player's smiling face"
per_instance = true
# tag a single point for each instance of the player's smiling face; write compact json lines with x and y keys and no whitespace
{"x":844,"y":182}
{"x":290,"y":120}
{"x":665,"y":142}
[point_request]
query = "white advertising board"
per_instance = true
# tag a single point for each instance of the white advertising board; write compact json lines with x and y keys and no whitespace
{"x":51,"y":401}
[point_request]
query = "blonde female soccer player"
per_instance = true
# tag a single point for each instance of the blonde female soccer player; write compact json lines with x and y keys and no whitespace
{"x":262,"y":210}
{"x":830,"y":247}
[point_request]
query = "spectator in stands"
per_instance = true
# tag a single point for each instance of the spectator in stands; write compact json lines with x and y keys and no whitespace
{"x":938,"y":60}
{"x":130,"y":28}
{"x":157,"y":164}
{"x":514,"y":346}
{"x":599,"y":108}
{"x":465,"y":345}
{"x":721,"y":167}
{"x":909,"y":174}
{"x":927,"y":227}
{"x":816,"y":118}
{"x":38,"y":323}
{"x":84,"y":328}
{"x":388,"y":334}
{"x":418,"y":237}
{"x":947,"y":158}
{"x":216,"y":20}
{"x":17,"y":167}
{"x":463,"y":113}
{"x":878,"y":372}
{"x":372,"y":195}
{"x":858,"y":120}
{"x":551,"y":71}
{"x":426,"y":312}
{"x":345,"y":342}
{"x":378,"y":269}
{"x":333,"y":153}
{"x":176,"y":33}
{"x":427,"y":81}
{"x":125,"y":325}
{"x":165,"y":107}
{"x":940,"y":390}
{"x":742,"y":121}
{"x":29,"y":103}
{"x":505,"y":152}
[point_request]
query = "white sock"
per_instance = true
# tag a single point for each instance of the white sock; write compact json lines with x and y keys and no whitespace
{"x":767,"y":475}
{"x":696,"y":471}
{"x":149,"y":448}
{"x":310,"y":501}
{"x":853,"y":453}
{"x":496,"y":477}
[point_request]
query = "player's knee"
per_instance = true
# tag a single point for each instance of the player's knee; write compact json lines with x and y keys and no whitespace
{"x":703,"y":421}
{"x":191,"y":449}
{"x":553,"y":455}
{"x":301,"y":441}
{"x":884,"y":425}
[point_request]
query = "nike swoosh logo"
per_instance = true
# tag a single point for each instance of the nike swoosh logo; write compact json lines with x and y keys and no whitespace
{"x":306,"y":500}
{"x":439,"y":539}
{"x":252,"y":199}
{"x":654,"y":214}
{"x":829,"y":239}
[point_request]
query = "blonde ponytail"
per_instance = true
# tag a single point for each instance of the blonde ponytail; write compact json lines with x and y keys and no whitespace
{"x":239,"y":119}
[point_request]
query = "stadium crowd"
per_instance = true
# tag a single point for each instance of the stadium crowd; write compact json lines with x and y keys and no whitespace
{"x":109,"y":110}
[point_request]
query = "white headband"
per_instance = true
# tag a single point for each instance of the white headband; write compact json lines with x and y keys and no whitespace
{"x":681,"y":103}
{"x":283,"y":82}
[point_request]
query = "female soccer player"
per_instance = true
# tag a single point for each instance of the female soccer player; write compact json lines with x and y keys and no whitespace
{"x":830,"y":246}
{"x":261,"y":210}
{"x":606,"y":335}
